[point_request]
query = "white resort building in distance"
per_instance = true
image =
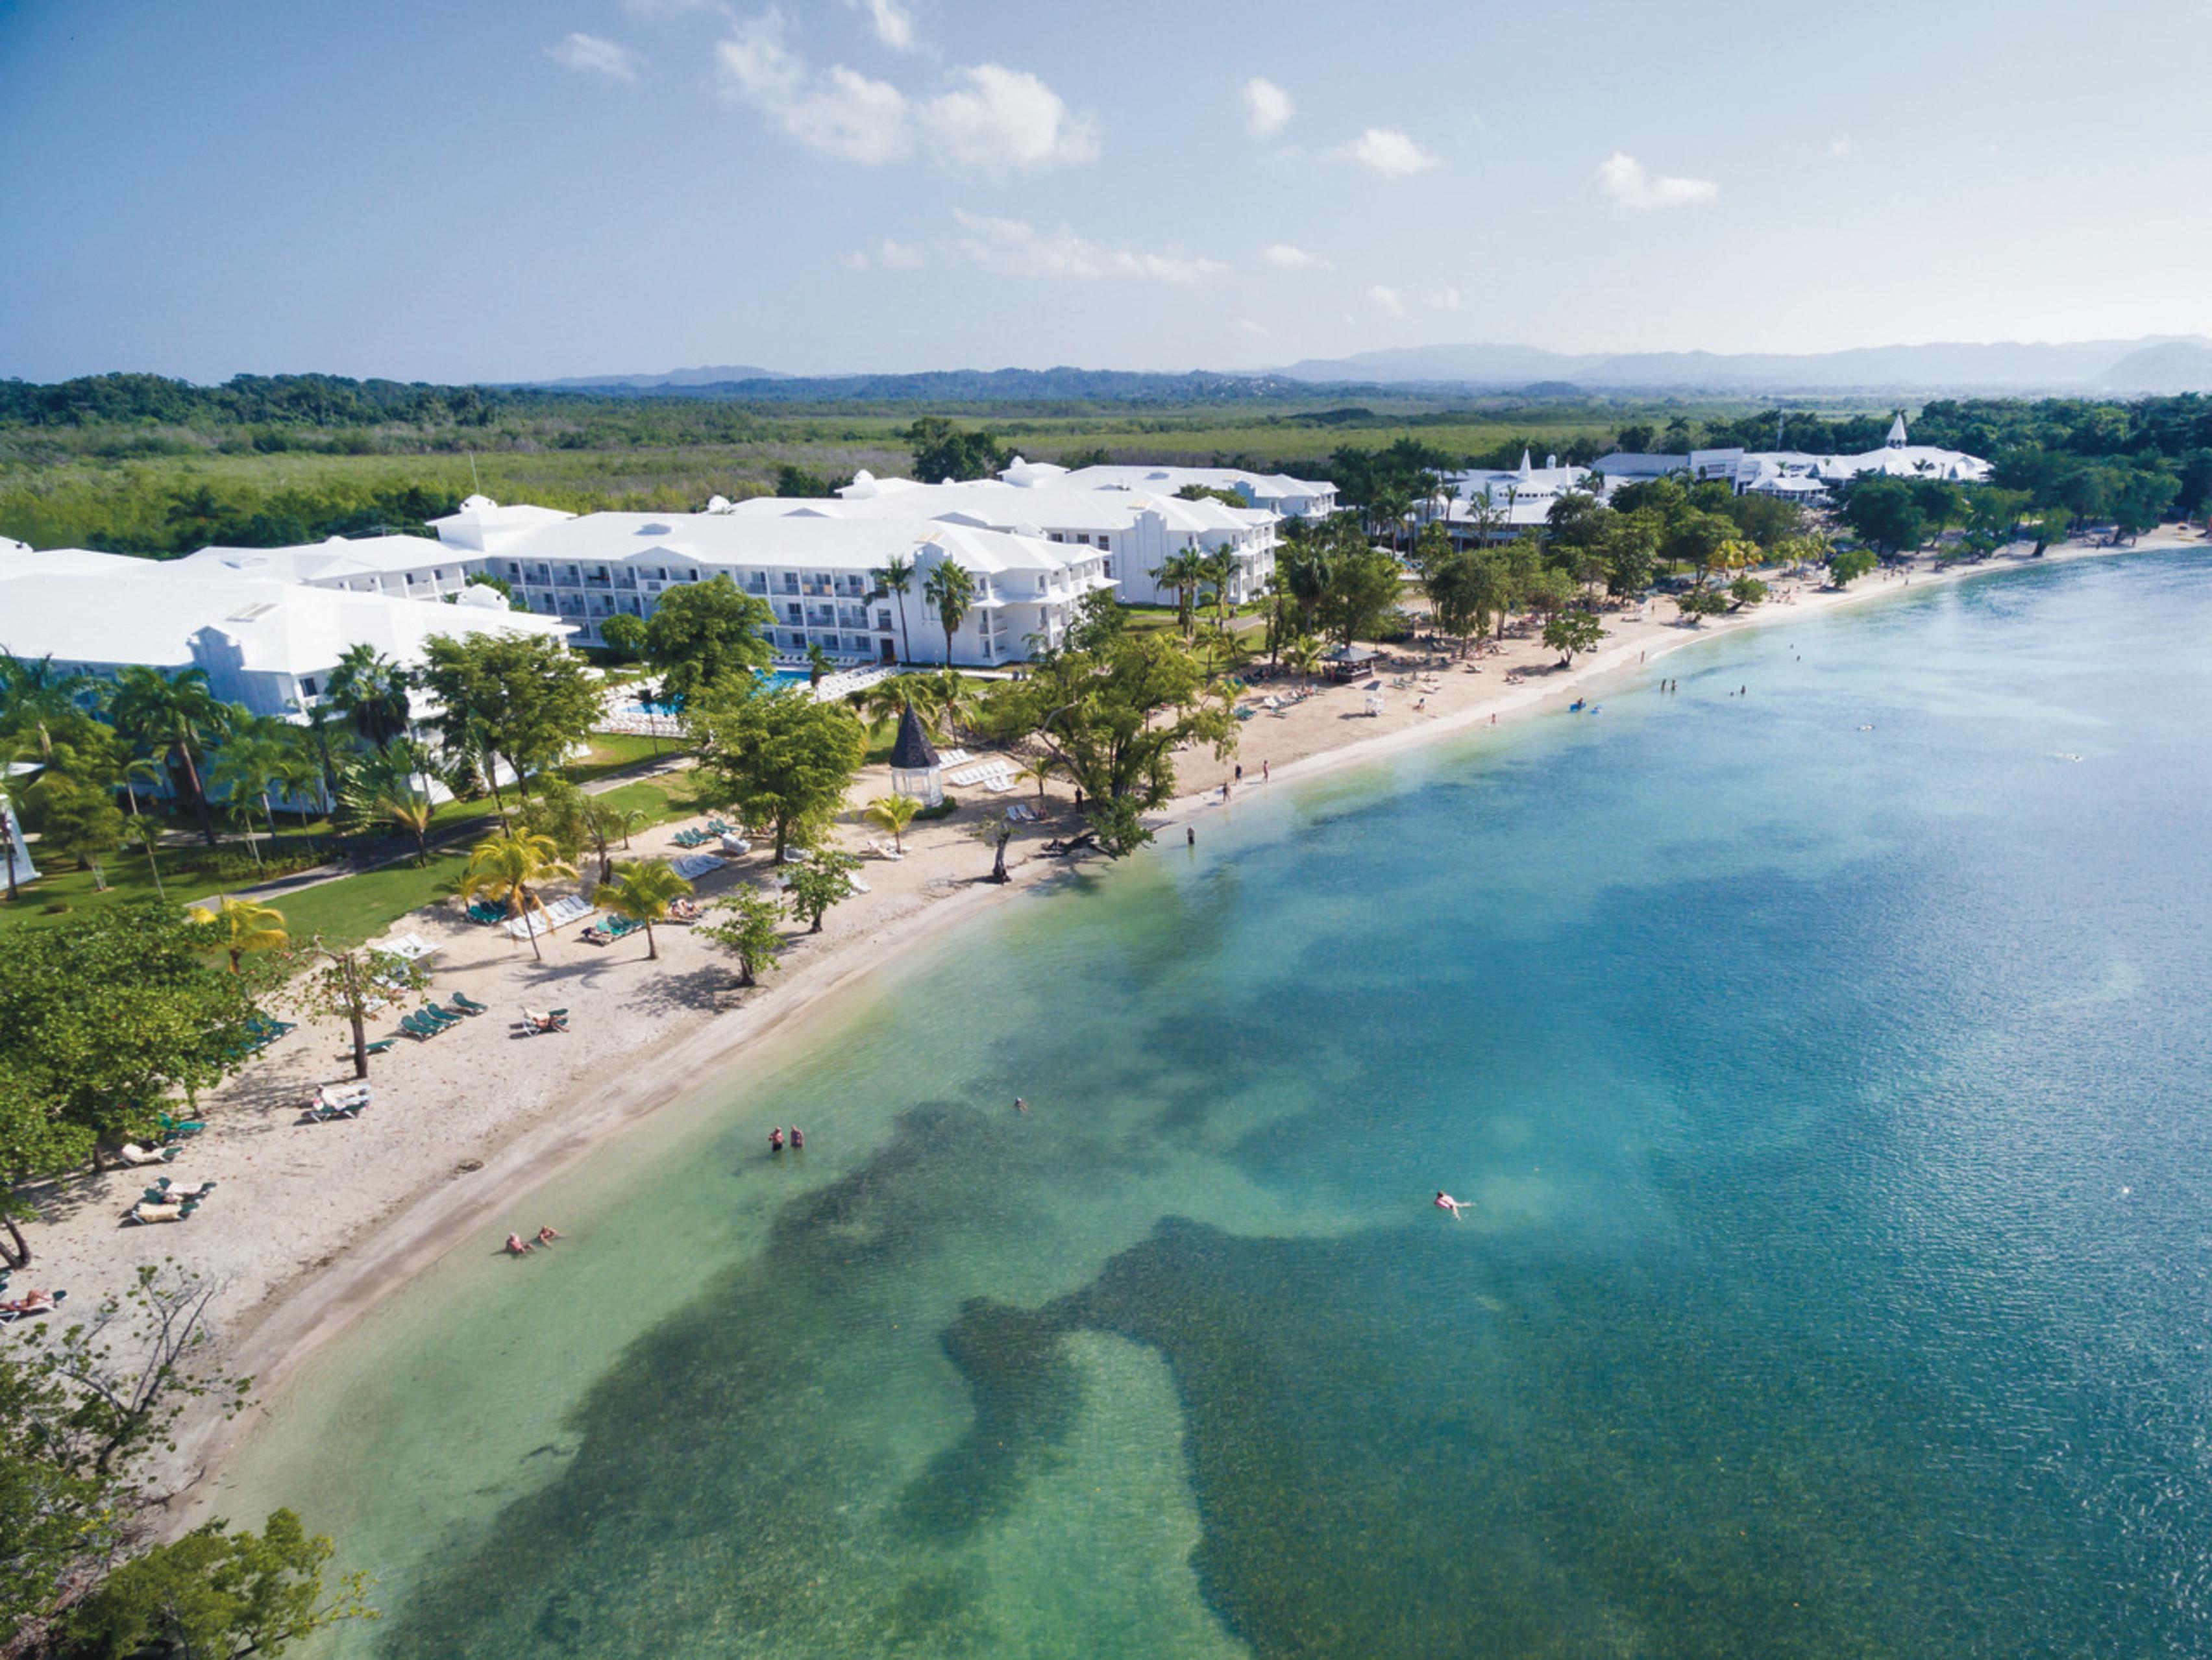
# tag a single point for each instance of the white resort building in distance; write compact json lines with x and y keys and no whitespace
{"x":1797,"y":475}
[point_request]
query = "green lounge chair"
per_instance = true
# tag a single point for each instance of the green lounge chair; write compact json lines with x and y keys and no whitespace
{"x":421,"y":1030}
{"x":468,"y":1005}
{"x":374,"y":1046}
{"x":437,"y":1016}
{"x":175,"y":1130}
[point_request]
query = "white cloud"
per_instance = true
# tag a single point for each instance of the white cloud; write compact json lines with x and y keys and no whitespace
{"x":1005,"y":121}
{"x":1445,"y":300}
{"x":1389,"y":153}
{"x":994,"y":121}
{"x":595,"y":56}
{"x":1626,"y":182}
{"x":1284,"y":257}
{"x":1267,"y":107}
{"x":659,"y":9}
{"x":1013,"y":248}
{"x":886,"y":254}
{"x":1387,"y":299}
{"x":894,"y":23}
{"x":1245,"y":325}
{"x":1840,"y":147}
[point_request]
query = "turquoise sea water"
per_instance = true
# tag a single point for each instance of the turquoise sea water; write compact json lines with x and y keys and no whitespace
{"x":1830,"y":1072}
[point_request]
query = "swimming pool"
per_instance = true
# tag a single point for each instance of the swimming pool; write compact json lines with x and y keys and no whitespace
{"x":775,"y":680}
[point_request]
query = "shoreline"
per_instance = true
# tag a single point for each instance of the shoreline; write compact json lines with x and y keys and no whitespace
{"x":299,"y":1310}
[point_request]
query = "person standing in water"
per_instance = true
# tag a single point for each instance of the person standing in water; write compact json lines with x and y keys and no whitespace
{"x":776,"y":1138}
{"x":798,"y":1138}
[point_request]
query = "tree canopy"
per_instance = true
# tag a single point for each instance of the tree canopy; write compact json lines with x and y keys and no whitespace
{"x":703,"y":633}
{"x":778,"y":757}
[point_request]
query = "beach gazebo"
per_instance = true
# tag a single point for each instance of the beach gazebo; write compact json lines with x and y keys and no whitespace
{"x":915,"y":770}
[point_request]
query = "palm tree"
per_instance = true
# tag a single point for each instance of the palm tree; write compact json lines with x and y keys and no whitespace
{"x":147,"y":835}
{"x":949,"y":590}
{"x":1303,"y":654}
{"x":244,"y":927}
{"x":34,"y":692}
{"x":642,"y":890}
{"x":318,"y":718}
{"x":943,"y":699}
{"x":300,"y":770}
{"x":896,"y":577}
{"x":1041,"y":770}
{"x":1184,"y":572}
{"x":893,"y":813}
{"x":503,"y":868}
{"x":881,"y":703}
{"x":178,"y":717}
{"x":248,"y":766}
{"x":371,"y":690}
{"x":817,"y":664}
{"x":1220,"y":567}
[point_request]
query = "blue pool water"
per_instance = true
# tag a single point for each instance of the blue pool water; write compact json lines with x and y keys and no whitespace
{"x":1827,"y":1069}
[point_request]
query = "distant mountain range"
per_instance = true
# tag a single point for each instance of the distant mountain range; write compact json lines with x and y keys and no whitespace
{"x":943,"y":387}
{"x":720,"y":374}
{"x":2165,"y":363}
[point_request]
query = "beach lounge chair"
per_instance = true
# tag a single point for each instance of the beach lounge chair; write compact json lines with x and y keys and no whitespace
{"x":885,"y":851}
{"x":596,"y":934}
{"x":164,"y":1193}
{"x":348,"y":1103}
{"x":374,"y":1046}
{"x":32,"y":1305}
{"x":176,"y":1129}
{"x":692,"y":865}
{"x":551,"y":1021}
{"x":717,"y":828}
{"x":421,"y":1030}
{"x":131,"y":1154}
{"x":469,"y":1005}
{"x":437,"y":1016}
{"x":733,"y":843}
{"x":142,"y":1212}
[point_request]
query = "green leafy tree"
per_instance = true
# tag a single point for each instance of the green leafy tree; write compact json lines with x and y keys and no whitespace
{"x":1747,"y":589}
{"x":949,"y":590}
{"x":1885,"y":513}
{"x":703,"y":633}
{"x":379,"y":789}
{"x":625,"y":637}
{"x":642,"y":890}
{"x":80,"y":820}
{"x":101,"y":1018}
{"x":942,"y":450}
{"x":1571,"y":632}
{"x":778,"y":757}
{"x":256,"y":755}
{"x":218,"y":1592}
{"x":1699,"y":603}
{"x":1847,"y":565}
{"x":819,"y":882}
{"x":521,"y":699}
{"x":350,"y":984}
{"x":1363,"y":586}
{"x":749,"y":931}
{"x":1113,"y":719}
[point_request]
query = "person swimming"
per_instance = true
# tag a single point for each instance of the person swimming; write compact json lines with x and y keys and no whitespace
{"x":1445,"y":1202}
{"x":548,"y":1233}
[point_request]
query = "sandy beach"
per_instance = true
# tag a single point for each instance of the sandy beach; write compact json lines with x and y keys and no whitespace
{"x":313,"y":1223}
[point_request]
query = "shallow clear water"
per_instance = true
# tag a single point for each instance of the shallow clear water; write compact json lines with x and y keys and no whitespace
{"x":1828,"y":1068}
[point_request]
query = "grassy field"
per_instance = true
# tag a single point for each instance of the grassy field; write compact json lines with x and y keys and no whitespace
{"x":117,"y":484}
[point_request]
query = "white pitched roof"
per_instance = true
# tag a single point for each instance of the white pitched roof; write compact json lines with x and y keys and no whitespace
{"x":822,"y":534}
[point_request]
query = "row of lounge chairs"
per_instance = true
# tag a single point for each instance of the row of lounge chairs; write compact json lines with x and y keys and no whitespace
{"x":1022,"y":813}
{"x":606,"y":933}
{"x":695,"y":864}
{"x":563,"y":911}
{"x":996,"y":775}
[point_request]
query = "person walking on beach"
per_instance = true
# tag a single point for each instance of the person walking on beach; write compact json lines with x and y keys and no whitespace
{"x":1445,"y":1202}
{"x":1264,"y":773}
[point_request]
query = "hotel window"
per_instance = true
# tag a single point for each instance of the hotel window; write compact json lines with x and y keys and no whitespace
{"x":1105,"y":542}
{"x":308,"y":686}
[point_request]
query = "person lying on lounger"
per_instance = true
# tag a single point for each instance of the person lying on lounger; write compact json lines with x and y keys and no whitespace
{"x":30,"y":1302}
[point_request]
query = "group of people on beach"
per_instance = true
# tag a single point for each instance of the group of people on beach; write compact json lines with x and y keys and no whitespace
{"x":776,"y":1143}
{"x":518,"y":1246}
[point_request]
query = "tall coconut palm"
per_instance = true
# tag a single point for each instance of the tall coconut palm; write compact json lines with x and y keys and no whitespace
{"x":642,"y":890}
{"x":504,"y":867}
{"x":318,"y":720}
{"x":371,"y":690}
{"x":248,"y":767}
{"x":243,"y":927}
{"x":950,"y":589}
{"x":379,"y":788}
{"x":177,"y":716}
{"x":1184,"y":572}
{"x":1221,"y":568}
{"x":896,"y":577}
{"x":880,"y":704}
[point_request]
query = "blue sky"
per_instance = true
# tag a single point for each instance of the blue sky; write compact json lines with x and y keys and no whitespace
{"x":458,"y":190}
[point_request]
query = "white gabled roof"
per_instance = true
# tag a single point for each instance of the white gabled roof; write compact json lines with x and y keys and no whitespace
{"x":333,"y":559}
{"x":1166,"y":481}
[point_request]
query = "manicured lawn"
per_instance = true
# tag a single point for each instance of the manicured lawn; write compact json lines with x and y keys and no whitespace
{"x":613,"y":751}
{"x":356,"y":908}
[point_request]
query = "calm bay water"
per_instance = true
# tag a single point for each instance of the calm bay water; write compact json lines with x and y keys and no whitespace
{"x":1828,"y":1067}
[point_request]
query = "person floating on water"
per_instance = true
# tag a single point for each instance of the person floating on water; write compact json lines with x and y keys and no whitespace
{"x":1020,"y":1105}
{"x":548,"y":1233}
{"x":1445,"y":1202}
{"x":776,"y":1138}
